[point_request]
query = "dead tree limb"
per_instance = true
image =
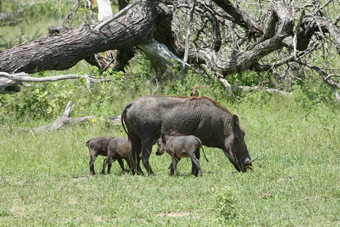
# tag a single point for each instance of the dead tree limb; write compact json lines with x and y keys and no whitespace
{"x":62,"y":121}
{"x":115,"y":17}
{"x":64,"y":51}
{"x":240,"y":17}
{"x":187,"y":40}
{"x":11,"y":80}
{"x":327,"y":78}
{"x":247,"y":89}
{"x":242,"y":61}
{"x":152,"y":27}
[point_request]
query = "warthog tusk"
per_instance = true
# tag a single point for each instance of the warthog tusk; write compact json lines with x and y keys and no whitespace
{"x":251,"y":161}
{"x":248,"y":167}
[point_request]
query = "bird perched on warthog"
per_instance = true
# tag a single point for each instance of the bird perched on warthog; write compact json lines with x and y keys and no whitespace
{"x":194,"y":91}
{"x":145,"y":118}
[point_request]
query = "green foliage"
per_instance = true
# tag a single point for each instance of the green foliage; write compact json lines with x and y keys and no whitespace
{"x":41,"y":101}
{"x":45,"y":180}
{"x":225,"y":204}
{"x":29,"y":20}
{"x":311,"y":91}
{"x":247,"y":79}
{"x":48,"y":100}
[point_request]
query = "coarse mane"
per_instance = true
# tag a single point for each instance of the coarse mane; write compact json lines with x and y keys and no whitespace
{"x":211,"y":100}
{"x":202,"y":97}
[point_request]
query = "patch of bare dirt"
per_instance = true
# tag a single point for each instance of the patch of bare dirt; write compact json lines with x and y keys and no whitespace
{"x":174,"y":214}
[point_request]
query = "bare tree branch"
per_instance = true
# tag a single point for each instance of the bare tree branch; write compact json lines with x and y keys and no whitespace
{"x":228,"y":38}
{"x":64,"y":51}
{"x":311,"y":24}
{"x":242,"y":61}
{"x":240,"y":17}
{"x":119,"y":14}
{"x":24,"y":77}
{"x":62,"y":121}
{"x":7,"y":79}
{"x":71,"y":15}
{"x":327,"y":78}
{"x":160,"y":55}
{"x":256,"y":88}
{"x":187,"y":39}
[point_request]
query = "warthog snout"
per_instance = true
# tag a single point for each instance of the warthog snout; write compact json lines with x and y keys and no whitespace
{"x":248,"y":163}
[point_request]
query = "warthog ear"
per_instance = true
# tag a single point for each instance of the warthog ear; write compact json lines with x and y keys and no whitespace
{"x":163,"y":138}
{"x":234,"y":120}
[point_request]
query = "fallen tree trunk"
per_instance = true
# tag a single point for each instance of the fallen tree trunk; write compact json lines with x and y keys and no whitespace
{"x":148,"y":26}
{"x":62,"y":121}
{"x":59,"y":52}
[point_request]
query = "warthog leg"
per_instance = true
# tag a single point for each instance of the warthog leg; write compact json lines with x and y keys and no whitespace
{"x":120,"y":161}
{"x":135,"y":153}
{"x":105,"y":162}
{"x":197,"y":165}
{"x":92,"y":160}
{"x":173,"y":169}
{"x":145,"y":154}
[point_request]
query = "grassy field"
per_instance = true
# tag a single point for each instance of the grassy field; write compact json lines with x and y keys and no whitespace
{"x":45,"y":180}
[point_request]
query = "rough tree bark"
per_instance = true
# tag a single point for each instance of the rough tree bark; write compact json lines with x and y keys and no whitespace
{"x":63,"y":51}
{"x":118,"y":59}
{"x":149,"y":26}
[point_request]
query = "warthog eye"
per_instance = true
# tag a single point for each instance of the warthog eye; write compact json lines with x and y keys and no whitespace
{"x":243,"y":132}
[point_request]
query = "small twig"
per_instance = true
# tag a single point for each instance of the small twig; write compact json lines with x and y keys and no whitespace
{"x":108,"y":65}
{"x":91,"y":11}
{"x":323,"y":6}
{"x":157,"y":86}
{"x":67,"y":111}
{"x":327,"y":79}
{"x":68,"y":19}
{"x":331,"y":75}
{"x":116,"y":16}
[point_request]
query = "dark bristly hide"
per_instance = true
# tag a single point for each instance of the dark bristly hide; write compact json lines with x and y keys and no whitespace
{"x":146,"y":118}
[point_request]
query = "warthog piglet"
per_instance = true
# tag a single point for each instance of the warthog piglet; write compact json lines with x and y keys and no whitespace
{"x":181,"y":147}
{"x":101,"y":146}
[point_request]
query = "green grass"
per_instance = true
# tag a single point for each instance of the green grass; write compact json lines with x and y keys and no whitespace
{"x":32,"y":19}
{"x":45,"y":180}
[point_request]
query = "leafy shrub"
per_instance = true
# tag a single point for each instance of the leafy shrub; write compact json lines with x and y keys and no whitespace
{"x":246,"y":79}
{"x":41,"y":101}
{"x":226,"y":205}
{"x":312,"y":91}
{"x":48,"y":100}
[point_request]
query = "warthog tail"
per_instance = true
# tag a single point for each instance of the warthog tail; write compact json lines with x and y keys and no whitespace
{"x":124,"y":117}
{"x":204,"y":155}
{"x":200,"y":142}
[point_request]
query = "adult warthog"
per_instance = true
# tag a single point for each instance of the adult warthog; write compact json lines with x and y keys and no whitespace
{"x":145,"y":118}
